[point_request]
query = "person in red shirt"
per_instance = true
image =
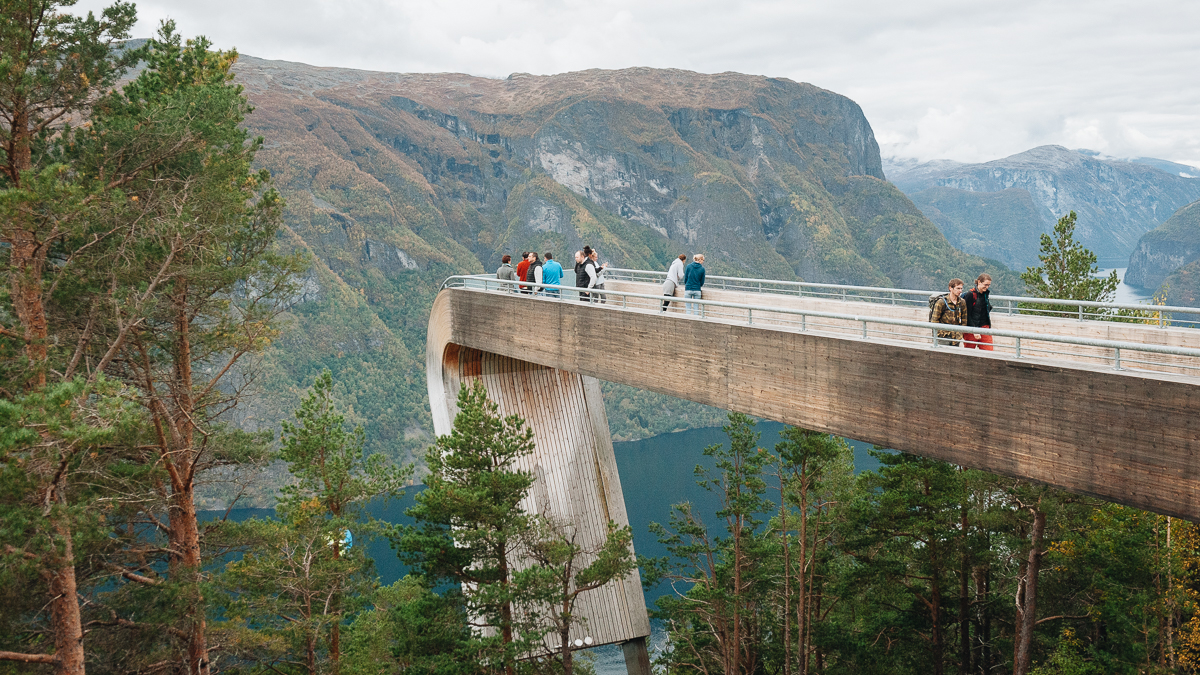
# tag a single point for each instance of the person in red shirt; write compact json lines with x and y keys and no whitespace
{"x":979,"y":313}
{"x":522,"y":268}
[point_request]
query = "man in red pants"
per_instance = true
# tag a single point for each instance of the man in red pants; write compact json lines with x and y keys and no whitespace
{"x":979,"y":313}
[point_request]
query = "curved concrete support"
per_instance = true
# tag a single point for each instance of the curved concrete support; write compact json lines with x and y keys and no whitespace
{"x":573,"y":462}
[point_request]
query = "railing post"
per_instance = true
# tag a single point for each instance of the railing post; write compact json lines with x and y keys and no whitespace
{"x":893,"y":298}
{"x":702,"y":308}
{"x":750,"y":315}
{"x":1160,"y":319}
{"x":803,"y":322}
{"x":1117,"y":364}
{"x":1018,"y":348}
{"x":864,"y":329}
{"x":1081,"y":312}
{"x":935,"y":339}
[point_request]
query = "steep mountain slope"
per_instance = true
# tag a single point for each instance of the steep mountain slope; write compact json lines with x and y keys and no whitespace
{"x":1166,"y":248}
{"x":997,"y":224}
{"x":396,"y":181}
{"x":1117,"y":201}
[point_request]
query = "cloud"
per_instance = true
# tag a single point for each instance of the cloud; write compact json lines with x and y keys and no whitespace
{"x":936,"y":78}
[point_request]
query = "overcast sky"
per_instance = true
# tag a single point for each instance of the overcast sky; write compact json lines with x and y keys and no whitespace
{"x":957,"y":79}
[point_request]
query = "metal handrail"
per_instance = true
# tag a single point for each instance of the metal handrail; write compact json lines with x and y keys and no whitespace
{"x":921,"y":295}
{"x":460,"y":281}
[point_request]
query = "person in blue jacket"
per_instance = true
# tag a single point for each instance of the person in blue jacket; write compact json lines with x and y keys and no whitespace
{"x":693,"y":281}
{"x":552,"y":274}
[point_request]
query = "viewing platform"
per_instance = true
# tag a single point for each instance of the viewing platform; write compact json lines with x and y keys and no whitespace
{"x":1096,"y":407}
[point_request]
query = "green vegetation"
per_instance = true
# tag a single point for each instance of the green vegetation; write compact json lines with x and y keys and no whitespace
{"x":914,"y":568}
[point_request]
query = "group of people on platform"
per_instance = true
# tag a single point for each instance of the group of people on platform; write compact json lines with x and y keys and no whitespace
{"x":972,"y":309}
{"x":691,"y":278}
{"x":589,"y":274}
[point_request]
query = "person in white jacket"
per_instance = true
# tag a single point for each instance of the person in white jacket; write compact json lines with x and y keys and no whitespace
{"x":674,"y":279}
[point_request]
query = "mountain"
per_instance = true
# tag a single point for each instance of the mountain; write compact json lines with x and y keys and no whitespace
{"x":996,"y":224}
{"x":395,"y":181}
{"x":1165,"y":249}
{"x":1117,"y":200}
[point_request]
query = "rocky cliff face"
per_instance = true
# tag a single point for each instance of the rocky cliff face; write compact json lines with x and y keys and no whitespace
{"x":1165,"y":249}
{"x":396,"y":181}
{"x":1117,"y":201}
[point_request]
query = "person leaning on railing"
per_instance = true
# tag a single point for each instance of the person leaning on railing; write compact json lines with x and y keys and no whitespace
{"x":674,"y":279}
{"x":950,"y":308}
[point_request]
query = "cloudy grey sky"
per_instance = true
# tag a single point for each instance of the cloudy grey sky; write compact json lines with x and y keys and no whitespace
{"x":956,"y":79}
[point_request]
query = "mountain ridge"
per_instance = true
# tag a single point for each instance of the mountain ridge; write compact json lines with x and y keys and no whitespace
{"x":1117,"y":200}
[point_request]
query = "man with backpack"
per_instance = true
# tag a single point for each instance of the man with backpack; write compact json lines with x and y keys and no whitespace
{"x":979,"y":313}
{"x":949,"y":308}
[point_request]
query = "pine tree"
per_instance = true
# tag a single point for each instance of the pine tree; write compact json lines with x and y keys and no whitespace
{"x":52,"y":66}
{"x":301,"y":578}
{"x":1068,"y":270}
{"x":470,"y":527}
{"x":565,"y":569}
{"x":177,"y":287}
{"x":718,"y":624}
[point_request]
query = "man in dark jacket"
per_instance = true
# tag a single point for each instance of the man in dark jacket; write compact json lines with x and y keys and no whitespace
{"x":979,"y":313}
{"x":585,"y":273}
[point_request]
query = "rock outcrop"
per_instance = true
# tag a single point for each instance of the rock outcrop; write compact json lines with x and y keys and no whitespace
{"x":1165,"y":249}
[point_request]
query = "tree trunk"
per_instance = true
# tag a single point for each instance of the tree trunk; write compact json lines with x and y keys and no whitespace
{"x":964,"y":601}
{"x":187,"y":541}
{"x":802,"y":598}
{"x":335,"y":630}
{"x":27,"y":259}
{"x":935,"y":613}
{"x":1024,"y":657}
{"x":982,"y":649}
{"x":506,"y":616}
{"x":64,"y":608}
{"x":27,"y":262}
{"x":787,"y":582}
{"x":310,"y":653}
